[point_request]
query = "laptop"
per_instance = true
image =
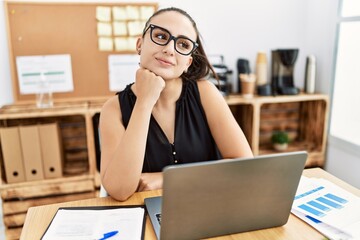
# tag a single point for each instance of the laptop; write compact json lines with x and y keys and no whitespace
{"x":215,"y":198}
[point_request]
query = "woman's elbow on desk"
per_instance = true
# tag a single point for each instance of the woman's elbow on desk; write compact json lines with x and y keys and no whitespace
{"x":121,"y":198}
{"x":121,"y":194}
{"x":119,"y":190}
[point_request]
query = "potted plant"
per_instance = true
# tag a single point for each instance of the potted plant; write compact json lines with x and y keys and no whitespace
{"x":280,"y":140}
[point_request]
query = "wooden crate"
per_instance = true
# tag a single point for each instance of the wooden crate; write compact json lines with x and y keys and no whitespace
{"x":244,"y":117}
{"x":304,"y":122}
{"x":78,"y":181}
{"x":17,"y":198}
{"x":278,"y":117}
{"x":303,"y":116}
{"x":73,"y":138}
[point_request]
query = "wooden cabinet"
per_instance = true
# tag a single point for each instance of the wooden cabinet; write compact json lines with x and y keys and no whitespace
{"x":304,"y":117}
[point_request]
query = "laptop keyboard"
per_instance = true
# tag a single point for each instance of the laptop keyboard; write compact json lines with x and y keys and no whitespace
{"x":158,"y":216}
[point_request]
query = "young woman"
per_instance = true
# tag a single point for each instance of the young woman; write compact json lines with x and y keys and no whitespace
{"x":170,"y":115}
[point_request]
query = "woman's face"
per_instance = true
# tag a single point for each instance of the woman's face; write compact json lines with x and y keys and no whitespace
{"x":165,"y":61}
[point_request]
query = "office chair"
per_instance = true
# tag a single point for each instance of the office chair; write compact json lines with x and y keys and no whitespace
{"x":103,"y":192}
{"x":95,"y":119}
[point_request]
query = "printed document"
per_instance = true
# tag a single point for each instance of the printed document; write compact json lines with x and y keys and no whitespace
{"x":56,"y":69}
{"x":122,"y":70}
{"x":332,"y":210}
{"x":94,"y":223}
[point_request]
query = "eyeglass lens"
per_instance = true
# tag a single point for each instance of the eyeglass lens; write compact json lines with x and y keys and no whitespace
{"x":162,"y":37}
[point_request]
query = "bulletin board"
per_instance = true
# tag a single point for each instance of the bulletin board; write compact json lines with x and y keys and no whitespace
{"x":48,"y":28}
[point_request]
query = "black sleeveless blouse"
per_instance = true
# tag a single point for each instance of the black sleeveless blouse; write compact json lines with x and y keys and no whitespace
{"x":193,"y":140}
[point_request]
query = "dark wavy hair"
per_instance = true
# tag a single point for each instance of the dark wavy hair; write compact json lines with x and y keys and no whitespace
{"x":200,"y":66}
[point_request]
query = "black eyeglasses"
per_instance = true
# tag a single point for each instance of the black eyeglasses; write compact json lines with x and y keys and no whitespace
{"x":162,"y":37}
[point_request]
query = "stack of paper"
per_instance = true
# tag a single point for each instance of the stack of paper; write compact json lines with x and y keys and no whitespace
{"x":330,"y":209}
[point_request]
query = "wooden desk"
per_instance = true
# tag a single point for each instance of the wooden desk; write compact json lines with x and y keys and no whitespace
{"x":38,"y":218}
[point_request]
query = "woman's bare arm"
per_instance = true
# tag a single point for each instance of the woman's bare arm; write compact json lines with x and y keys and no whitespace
{"x":122,"y":151}
{"x":228,"y":135}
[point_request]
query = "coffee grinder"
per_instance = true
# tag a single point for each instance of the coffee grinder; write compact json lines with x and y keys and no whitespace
{"x":282,"y":80}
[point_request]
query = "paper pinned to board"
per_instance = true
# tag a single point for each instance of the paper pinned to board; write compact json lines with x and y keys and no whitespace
{"x":104,"y":29}
{"x":119,"y":13}
{"x":132,"y":43}
{"x":135,"y":28}
{"x":125,"y":44}
{"x":122,"y":70}
{"x":103,"y":14}
{"x":146,"y":12}
{"x":133,"y":12}
{"x":121,"y":44}
{"x":106,"y":44}
{"x":120,"y":28}
{"x":55,"y":68}
{"x":329,"y":208}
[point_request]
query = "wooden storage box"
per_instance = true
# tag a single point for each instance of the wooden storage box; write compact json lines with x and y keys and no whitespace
{"x":79,"y":178}
{"x":17,"y":198}
{"x":304,"y":117}
{"x":73,"y":138}
{"x":304,"y":121}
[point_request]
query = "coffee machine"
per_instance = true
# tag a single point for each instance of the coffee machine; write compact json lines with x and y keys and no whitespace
{"x":282,"y":80}
{"x":223,"y":73}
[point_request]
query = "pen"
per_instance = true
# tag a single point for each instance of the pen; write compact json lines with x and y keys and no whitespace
{"x":109,"y":235}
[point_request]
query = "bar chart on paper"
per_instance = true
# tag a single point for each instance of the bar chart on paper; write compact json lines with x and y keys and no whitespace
{"x":320,"y":206}
{"x":329,"y":208}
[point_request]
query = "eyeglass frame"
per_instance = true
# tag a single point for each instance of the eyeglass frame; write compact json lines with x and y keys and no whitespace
{"x":152,"y":27}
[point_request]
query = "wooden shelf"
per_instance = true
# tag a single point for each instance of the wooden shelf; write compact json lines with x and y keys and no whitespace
{"x":303,"y":116}
{"x":18,"y":197}
{"x":79,"y":181}
{"x":235,"y":99}
{"x":39,"y":183}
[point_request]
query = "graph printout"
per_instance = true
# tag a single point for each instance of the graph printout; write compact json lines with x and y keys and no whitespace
{"x":322,"y":200}
{"x":55,"y":69}
{"x":122,"y":70}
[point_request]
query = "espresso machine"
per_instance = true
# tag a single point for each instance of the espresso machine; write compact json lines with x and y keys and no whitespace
{"x":223,"y":72}
{"x":282,"y":75}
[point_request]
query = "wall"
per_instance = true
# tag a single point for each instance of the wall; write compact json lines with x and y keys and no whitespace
{"x":242,"y":28}
{"x":6,"y":96}
{"x":320,"y":39}
{"x":235,"y":29}
{"x":343,"y":159}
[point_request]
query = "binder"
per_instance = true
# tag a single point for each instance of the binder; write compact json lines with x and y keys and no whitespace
{"x":30,"y":144}
{"x":12,"y":155}
{"x":51,"y":149}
